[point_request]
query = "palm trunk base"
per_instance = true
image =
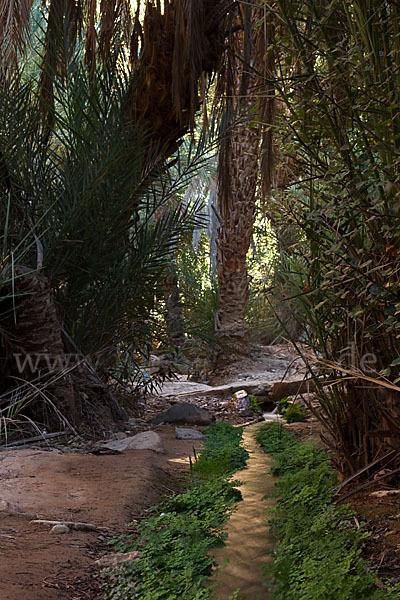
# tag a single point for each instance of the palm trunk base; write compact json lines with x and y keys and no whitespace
{"x":233,"y":343}
{"x":38,"y":378}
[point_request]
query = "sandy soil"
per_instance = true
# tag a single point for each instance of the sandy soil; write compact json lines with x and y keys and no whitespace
{"x":112,"y":490}
{"x":249,"y":544}
{"x":108,"y":491}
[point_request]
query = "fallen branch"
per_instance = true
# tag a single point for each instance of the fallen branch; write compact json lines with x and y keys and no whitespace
{"x":71,"y":524}
{"x":366,"y":485}
{"x":390,"y":455}
{"x":37,"y":438}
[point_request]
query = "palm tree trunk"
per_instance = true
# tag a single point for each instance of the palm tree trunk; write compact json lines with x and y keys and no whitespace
{"x":237,"y":186}
{"x":236,"y":209}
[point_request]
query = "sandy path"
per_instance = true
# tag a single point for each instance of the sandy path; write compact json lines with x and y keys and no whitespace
{"x":108,"y":491}
{"x":249,"y":540}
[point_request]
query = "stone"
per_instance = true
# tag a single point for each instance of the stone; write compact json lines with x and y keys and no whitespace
{"x":60,"y":529}
{"x":147,"y":440}
{"x":112,"y":560}
{"x":8,"y":507}
{"x":241,"y":400}
{"x":263,"y":390}
{"x":185,"y":412}
{"x":189,"y":434}
{"x":246,"y":413}
{"x":282,"y":389}
{"x":120,"y":435}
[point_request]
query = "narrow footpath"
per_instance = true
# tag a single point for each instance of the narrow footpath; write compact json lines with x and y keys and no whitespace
{"x":249,"y":540}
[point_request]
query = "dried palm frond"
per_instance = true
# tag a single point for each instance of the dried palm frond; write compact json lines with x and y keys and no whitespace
{"x":172,"y":47}
{"x":14,"y":22}
{"x":352,"y":374}
{"x":177,"y":46}
{"x":116,"y":21}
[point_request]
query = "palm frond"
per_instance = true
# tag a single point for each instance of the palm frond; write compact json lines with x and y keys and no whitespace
{"x":14,"y":24}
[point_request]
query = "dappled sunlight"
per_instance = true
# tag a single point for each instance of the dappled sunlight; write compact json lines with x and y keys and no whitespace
{"x":199,"y":226}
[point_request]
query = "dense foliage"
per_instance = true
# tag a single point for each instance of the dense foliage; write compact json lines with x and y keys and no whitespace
{"x":318,"y":556}
{"x":336,"y":205}
{"x":92,"y":210}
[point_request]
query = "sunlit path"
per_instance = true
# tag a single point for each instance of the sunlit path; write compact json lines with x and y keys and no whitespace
{"x":249,"y":541}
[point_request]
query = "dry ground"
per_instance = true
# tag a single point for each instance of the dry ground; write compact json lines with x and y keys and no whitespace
{"x":108,"y":491}
{"x":111,"y":491}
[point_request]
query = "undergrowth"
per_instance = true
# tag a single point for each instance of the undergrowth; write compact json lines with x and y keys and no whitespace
{"x":223,"y":453}
{"x":292,"y":412}
{"x":175,"y":540}
{"x":318,"y":556}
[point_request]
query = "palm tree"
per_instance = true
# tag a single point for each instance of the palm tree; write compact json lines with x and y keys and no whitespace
{"x":239,"y":167}
{"x":172,"y":47}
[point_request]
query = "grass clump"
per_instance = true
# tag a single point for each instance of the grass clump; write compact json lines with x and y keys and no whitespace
{"x":318,"y":556}
{"x":223,"y":453}
{"x":174,"y":541}
{"x":255,"y":404}
{"x":292,"y":412}
{"x":295,"y":413}
{"x":274,"y":438}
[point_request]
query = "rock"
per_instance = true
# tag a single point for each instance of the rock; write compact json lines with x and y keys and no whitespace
{"x":120,"y":435}
{"x":112,"y":560}
{"x":240,"y":400}
{"x":8,"y":507}
{"x":60,"y":529}
{"x":292,"y":388}
{"x":246,"y":413}
{"x":263,"y":390}
{"x":185,"y":413}
{"x":147,"y":440}
{"x":189,"y":434}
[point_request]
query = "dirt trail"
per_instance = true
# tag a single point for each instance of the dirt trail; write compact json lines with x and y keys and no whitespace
{"x":108,"y":491}
{"x":267,"y":365}
{"x":249,"y":541}
{"x":258,"y":375}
